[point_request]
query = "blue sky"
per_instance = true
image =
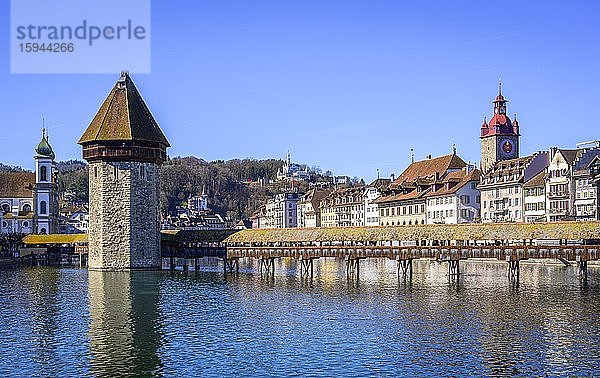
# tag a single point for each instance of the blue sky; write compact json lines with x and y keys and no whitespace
{"x":349,"y":86}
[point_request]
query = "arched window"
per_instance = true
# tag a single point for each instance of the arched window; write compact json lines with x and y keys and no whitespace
{"x":43,"y":207}
{"x":26,"y":208}
{"x":43,"y":173}
{"x":5,"y":208}
{"x":43,"y":231}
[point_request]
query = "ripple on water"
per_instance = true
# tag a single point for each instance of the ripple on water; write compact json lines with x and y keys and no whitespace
{"x":69,"y":322}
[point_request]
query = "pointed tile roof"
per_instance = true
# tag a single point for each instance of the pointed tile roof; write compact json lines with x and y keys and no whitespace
{"x":124,"y":116}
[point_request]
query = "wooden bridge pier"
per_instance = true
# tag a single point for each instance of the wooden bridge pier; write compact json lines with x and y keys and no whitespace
{"x":268,"y":264}
{"x":405,"y":268}
{"x":352,"y":266}
{"x":231,"y":264}
{"x":514,"y":268}
{"x":582,"y":266}
{"x":453,"y":269}
{"x":306,"y":265}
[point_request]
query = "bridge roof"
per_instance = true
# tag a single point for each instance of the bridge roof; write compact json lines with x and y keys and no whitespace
{"x":196,"y":236}
{"x":481,"y":231}
{"x":55,"y":239}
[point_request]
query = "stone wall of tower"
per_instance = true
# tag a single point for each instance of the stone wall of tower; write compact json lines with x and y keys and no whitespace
{"x":489,"y":153}
{"x":124,"y":216}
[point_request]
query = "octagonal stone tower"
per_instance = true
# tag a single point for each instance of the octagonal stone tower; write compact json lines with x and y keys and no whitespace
{"x":124,"y":147}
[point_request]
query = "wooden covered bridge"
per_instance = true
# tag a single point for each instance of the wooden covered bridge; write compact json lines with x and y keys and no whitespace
{"x":511,"y":242}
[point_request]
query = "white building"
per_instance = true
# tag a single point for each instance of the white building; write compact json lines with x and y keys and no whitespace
{"x":455,"y":199}
{"x":281,"y":211}
{"x":309,"y":211}
{"x":371,"y":193}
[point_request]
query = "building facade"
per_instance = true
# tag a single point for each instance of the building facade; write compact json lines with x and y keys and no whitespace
{"x":534,"y":198}
{"x":344,"y":207}
{"x":501,"y":187}
{"x":281,"y":211}
{"x":124,"y":147}
{"x":372,"y":192}
{"x":309,"y":210}
{"x":455,"y":199}
{"x":404,"y":204}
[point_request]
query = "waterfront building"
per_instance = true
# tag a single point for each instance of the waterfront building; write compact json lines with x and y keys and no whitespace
{"x":501,"y":187}
{"x":570,"y":185}
{"x":281,"y":211}
{"x":560,"y":185}
{"x":292,"y":171}
{"x":29,"y":201}
{"x":499,"y":137}
{"x":405,"y":202}
{"x":454,"y":199}
{"x":344,"y":207}
{"x":534,"y":198}
{"x":124,"y":147}
{"x":372,"y":192}
{"x":309,"y":211}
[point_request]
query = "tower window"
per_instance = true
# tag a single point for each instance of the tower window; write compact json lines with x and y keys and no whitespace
{"x":116,"y":172}
{"x":43,"y":207}
{"x":5,"y":208}
{"x":43,"y":173}
{"x":26,"y":208}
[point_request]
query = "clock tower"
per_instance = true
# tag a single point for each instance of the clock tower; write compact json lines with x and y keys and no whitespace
{"x":499,"y":137}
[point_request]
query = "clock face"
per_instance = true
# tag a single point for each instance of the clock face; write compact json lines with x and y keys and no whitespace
{"x":507,"y":146}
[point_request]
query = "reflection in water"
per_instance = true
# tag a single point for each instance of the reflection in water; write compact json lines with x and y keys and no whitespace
{"x":68,"y":322}
{"x":124,"y":334}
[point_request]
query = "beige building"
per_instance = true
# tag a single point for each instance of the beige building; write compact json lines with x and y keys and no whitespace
{"x":534,"y":198}
{"x":343,"y":208}
{"x":560,"y":185}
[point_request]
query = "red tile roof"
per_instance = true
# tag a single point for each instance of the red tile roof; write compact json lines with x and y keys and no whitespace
{"x":426,"y":170}
{"x":459,"y":178}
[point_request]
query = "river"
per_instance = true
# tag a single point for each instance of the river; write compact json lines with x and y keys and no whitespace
{"x":71,"y":322}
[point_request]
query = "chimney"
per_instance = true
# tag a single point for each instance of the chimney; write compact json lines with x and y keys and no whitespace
{"x":393,"y":177}
{"x":429,"y":156}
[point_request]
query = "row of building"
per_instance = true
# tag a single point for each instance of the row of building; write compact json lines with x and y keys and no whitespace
{"x":547,"y":186}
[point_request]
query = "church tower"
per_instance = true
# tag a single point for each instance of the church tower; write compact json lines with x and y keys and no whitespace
{"x":124,"y":147}
{"x":45,"y":191}
{"x":499,"y":138}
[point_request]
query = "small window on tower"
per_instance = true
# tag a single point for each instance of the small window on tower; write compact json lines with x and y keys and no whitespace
{"x":142,"y":172}
{"x":116,"y":172}
{"x":43,"y":173}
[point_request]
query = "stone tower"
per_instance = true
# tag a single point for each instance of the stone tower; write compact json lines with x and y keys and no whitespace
{"x":45,"y":191}
{"x":499,"y":138}
{"x":124,"y":147}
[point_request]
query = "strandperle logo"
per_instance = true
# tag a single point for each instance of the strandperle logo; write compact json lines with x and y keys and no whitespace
{"x":80,"y":36}
{"x":84,"y":31}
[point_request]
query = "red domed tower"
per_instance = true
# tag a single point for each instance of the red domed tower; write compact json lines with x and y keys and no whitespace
{"x":499,"y":137}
